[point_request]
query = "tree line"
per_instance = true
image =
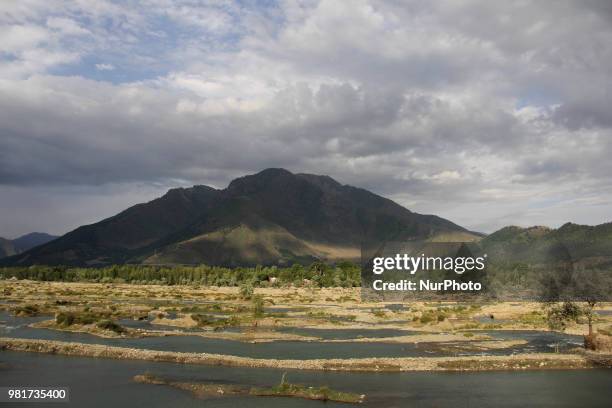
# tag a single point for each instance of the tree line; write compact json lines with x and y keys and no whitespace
{"x":317,"y":274}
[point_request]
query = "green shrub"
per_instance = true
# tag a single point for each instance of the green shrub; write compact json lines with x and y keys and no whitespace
{"x":203,"y":319}
{"x":429,"y":316}
{"x":26,"y":310}
{"x":106,"y":324}
{"x":64,"y":319}
{"x":246,"y":290}
{"x":70,"y":318}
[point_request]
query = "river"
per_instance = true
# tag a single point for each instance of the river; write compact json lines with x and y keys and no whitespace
{"x":108,"y":383}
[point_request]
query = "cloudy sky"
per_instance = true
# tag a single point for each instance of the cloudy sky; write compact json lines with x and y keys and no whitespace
{"x":486,"y":113}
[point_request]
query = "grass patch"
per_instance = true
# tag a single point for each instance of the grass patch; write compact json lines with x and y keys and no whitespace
{"x":204,"y":320}
{"x":84,"y":318}
{"x":432,"y":316}
{"x":26,"y":311}
{"x":332,"y":318}
{"x":323,"y":393}
{"x":517,"y":364}
{"x":106,"y":324}
{"x":284,"y":389}
{"x":534,"y":318}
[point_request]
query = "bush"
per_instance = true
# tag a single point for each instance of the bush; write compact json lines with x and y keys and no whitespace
{"x":26,"y":310}
{"x":246,"y":291}
{"x":106,"y":324}
{"x":203,"y":319}
{"x":64,"y":319}
{"x":429,"y":316}
{"x":558,"y":316}
{"x":426,"y":318}
{"x":70,"y":318}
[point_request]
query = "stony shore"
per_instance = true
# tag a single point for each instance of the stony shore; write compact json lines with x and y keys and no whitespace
{"x":481,"y":363}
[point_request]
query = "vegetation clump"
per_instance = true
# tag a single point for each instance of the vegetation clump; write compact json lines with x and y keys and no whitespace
{"x":106,"y":324}
{"x":26,"y":310}
{"x":558,"y":316}
{"x":431,"y":316}
{"x":533,"y":318}
{"x":258,"y":306}
{"x":246,"y":290}
{"x":284,"y":389}
{"x":323,"y":393}
{"x":379,"y":313}
{"x":70,"y":318}
{"x":207,"y":320}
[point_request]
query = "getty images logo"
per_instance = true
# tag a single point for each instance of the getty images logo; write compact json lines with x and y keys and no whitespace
{"x":412,"y":264}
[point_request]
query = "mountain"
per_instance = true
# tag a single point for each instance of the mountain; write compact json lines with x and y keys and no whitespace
{"x":11,"y":247}
{"x":272,"y":217}
{"x":580,"y":244}
{"x":31,"y":240}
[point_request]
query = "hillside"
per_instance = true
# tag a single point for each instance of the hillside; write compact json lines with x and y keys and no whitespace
{"x":272,"y":217}
{"x":583,"y":244}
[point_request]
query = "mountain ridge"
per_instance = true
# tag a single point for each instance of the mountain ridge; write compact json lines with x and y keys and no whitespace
{"x":270,"y":217}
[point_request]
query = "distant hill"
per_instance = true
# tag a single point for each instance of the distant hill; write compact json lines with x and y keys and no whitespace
{"x":16,"y":246}
{"x":581,"y":244}
{"x":31,"y":240}
{"x":272,"y":217}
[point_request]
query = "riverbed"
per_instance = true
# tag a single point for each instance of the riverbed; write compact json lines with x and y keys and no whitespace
{"x":536,"y":342}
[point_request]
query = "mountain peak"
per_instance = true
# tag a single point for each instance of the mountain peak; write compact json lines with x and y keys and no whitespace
{"x":253,"y":182}
{"x":279,"y":178}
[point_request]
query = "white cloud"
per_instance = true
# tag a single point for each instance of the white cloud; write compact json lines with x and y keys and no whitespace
{"x":105,"y":67}
{"x":487,"y":113}
{"x":66,"y":26}
{"x":17,"y":38}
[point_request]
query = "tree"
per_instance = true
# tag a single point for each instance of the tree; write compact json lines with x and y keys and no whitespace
{"x":559,"y":315}
{"x":566,"y":283}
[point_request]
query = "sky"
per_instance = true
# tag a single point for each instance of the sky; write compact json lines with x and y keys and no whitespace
{"x":485,"y":113}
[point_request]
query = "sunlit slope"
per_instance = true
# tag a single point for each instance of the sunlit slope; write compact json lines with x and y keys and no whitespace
{"x":246,"y":245}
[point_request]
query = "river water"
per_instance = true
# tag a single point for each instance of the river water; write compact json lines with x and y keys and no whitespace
{"x":104,"y":383}
{"x":108,"y":383}
{"x":17,"y":327}
{"x":537,"y":341}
